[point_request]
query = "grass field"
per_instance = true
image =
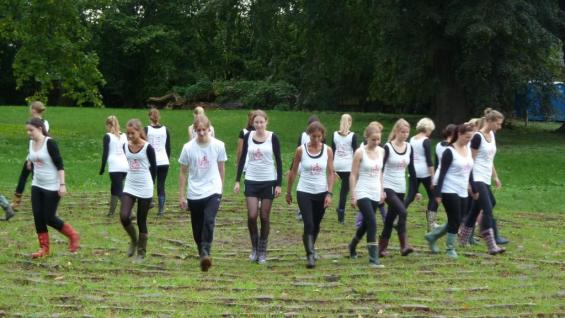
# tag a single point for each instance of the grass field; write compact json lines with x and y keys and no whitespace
{"x":100,"y":281}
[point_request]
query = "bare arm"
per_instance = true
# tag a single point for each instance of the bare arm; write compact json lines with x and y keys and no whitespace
{"x":292,"y":173}
{"x":183,"y":174}
{"x":354,"y":176}
{"x":331,"y":177}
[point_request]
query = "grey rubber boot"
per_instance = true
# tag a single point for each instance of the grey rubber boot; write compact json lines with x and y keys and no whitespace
{"x":8,"y":211}
{"x":142,"y":245}
{"x":450,"y":244}
{"x":113,"y":204}
{"x":352,"y":247}
{"x":374,"y":261}
{"x":130,"y":229}
{"x":433,"y":236}
{"x":262,"y":251}
{"x":308,"y":241}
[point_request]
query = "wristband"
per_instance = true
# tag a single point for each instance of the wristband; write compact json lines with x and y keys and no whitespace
{"x":61,"y":184}
{"x":329,"y":193}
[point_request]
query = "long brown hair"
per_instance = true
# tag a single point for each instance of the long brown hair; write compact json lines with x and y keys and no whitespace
{"x":39,"y":124}
{"x":460,"y":130}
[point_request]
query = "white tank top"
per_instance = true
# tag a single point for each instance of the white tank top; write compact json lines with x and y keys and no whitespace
{"x":117,"y":161}
{"x":260,"y":159}
{"x":45,"y":174}
{"x":395,"y":167}
{"x":457,"y":176}
{"x":138,"y":179}
{"x":313,"y":177}
{"x":157,"y":138}
{"x":482,"y":169}
{"x":420,"y":163}
{"x":343,"y":156}
{"x":369,"y":181}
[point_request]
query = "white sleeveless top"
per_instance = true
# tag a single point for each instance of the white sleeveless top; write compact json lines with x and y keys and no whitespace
{"x":439,"y":153}
{"x":369,"y":181}
{"x":260,"y":159}
{"x":117,"y":161}
{"x":394,"y":173}
{"x":45,"y":174}
{"x":138,"y":179}
{"x":343,"y":156}
{"x":482,"y":170}
{"x":157,"y":138}
{"x":457,"y":176}
{"x":420,"y":163}
{"x":313,"y":177}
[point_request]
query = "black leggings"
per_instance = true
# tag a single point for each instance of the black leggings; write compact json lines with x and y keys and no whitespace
{"x":344,"y":176}
{"x":486,"y":202}
{"x":24,"y":174}
{"x":128,"y":201}
{"x":203,"y":218}
{"x":44,"y":206}
{"x":368,"y":208}
{"x":312,"y":208}
{"x":117,"y":179}
{"x":160,"y":178}
{"x":413,"y":189}
{"x":396,"y":208}
{"x":454,"y":205}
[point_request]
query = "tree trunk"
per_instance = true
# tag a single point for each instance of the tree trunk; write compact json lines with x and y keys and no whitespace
{"x":561,"y":129}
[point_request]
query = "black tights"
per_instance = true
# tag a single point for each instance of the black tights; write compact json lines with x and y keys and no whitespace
{"x":369,"y":225}
{"x":344,"y":176}
{"x":486,"y":202}
{"x":454,"y":205}
{"x":253,"y":213}
{"x":395,"y":202}
{"x":312,"y":208}
{"x":44,"y":206}
{"x":413,"y":189}
{"x":161,"y":177}
{"x":117,"y":179}
{"x":128,"y":201}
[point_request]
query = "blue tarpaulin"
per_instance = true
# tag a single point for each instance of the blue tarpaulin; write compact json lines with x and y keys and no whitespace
{"x":531,"y":102}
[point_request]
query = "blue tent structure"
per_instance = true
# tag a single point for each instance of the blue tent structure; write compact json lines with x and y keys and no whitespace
{"x":530,"y":104}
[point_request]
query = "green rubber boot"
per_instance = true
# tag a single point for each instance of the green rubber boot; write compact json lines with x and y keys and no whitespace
{"x":451,"y":239}
{"x":433,"y":236}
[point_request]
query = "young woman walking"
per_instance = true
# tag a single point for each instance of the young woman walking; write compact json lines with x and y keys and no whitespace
{"x":241,"y":137}
{"x":483,"y":150}
{"x":344,"y":144}
{"x":261,"y":153}
{"x":142,"y":168}
{"x":398,"y":156}
{"x":424,"y":168}
{"x":113,"y":154}
{"x":203,"y":168}
{"x":47,"y":187}
{"x":36,"y":110}
{"x":314,"y":190}
{"x":455,"y":175}
{"x":367,"y":191}
{"x":159,"y":138}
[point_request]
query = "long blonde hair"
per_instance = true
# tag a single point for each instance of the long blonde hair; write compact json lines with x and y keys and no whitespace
{"x":397,"y":126}
{"x":373,"y":127}
{"x":114,"y":124}
{"x":345,"y":124}
{"x":136,"y":124}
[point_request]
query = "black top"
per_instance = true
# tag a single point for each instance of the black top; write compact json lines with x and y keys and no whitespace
{"x":53,"y":151}
{"x":105,"y":152}
{"x":276,"y":153}
{"x":427,"y":144}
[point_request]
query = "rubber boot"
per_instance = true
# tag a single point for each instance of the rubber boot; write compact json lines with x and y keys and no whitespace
{"x":374,"y":261}
{"x":16,"y":201}
{"x":340,"y":216}
{"x":130,"y":229}
{"x":499,"y":239}
{"x":465,"y":234}
{"x":473,"y":240}
{"x":383,"y":244}
{"x":161,"y":205}
{"x":113,"y":204}
{"x":8,"y":211}
{"x":262,"y":251}
{"x":308,"y":241}
{"x":43,"y":245}
{"x":431,"y":217}
{"x":433,"y":236}
{"x":205,"y":260}
{"x":254,"y":253}
{"x":493,"y":248}
{"x":72,"y":235}
{"x":352,"y":247}
{"x":142,"y":245}
{"x":316,"y":256}
{"x":450,"y":244}
{"x":405,"y":248}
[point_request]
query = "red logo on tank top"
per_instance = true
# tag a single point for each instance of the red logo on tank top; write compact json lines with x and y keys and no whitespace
{"x":375,"y":170}
{"x":203,"y":162}
{"x":340,"y":151}
{"x":316,"y":169}
{"x":257,"y":154}
{"x":401,"y":165}
{"x":38,"y":163}
{"x":134,"y":164}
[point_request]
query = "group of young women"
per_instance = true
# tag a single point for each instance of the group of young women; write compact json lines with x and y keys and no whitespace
{"x":373,"y":174}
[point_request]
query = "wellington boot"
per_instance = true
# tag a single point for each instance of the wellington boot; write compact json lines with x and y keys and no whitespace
{"x":405,"y":248}
{"x":72,"y":235}
{"x":450,"y":244}
{"x":205,"y":259}
{"x":8,"y":211}
{"x":374,"y":261}
{"x":113,"y":204}
{"x":16,"y":201}
{"x":262,"y":251}
{"x":130,"y":229}
{"x":254,"y":243}
{"x":499,"y":239}
{"x":493,"y":248}
{"x":340,"y":216}
{"x":383,"y":244}
{"x":142,"y":245}
{"x":465,"y":234}
{"x":43,"y":245}
{"x":431,"y":217}
{"x":352,"y":247}
{"x":308,"y":241}
{"x":433,"y":236}
{"x":161,"y":205}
